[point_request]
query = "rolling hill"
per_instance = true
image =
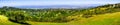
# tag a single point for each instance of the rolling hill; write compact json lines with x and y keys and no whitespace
{"x":108,"y":14}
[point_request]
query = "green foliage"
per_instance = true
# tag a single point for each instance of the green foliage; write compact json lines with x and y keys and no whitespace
{"x":55,"y":15}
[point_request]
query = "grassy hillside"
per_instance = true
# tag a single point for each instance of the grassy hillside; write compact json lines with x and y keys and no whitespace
{"x":101,"y":15}
{"x":103,"y":19}
{"x":4,"y":21}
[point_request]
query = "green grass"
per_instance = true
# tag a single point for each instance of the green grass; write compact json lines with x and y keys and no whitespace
{"x":103,"y":19}
{"x":4,"y":21}
{"x":47,"y":23}
{"x":51,"y":24}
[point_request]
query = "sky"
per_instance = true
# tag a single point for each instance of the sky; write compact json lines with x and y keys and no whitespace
{"x":54,"y":2}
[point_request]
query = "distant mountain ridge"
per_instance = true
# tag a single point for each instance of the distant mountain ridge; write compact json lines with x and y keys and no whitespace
{"x":59,"y":6}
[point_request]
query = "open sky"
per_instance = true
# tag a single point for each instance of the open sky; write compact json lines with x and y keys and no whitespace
{"x":54,"y":2}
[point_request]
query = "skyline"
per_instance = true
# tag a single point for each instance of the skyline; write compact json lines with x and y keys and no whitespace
{"x":54,"y":2}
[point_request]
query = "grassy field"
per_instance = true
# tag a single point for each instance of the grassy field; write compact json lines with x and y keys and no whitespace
{"x":47,"y":23}
{"x":103,"y":19}
{"x":4,"y":21}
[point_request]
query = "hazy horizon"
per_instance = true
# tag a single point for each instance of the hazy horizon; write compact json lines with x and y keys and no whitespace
{"x":54,"y":2}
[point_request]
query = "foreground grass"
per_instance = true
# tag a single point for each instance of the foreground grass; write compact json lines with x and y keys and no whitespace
{"x":103,"y":19}
{"x":47,"y":23}
{"x":4,"y":21}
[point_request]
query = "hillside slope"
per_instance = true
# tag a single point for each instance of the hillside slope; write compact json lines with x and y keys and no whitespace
{"x":4,"y":21}
{"x":101,"y":15}
{"x":103,"y":19}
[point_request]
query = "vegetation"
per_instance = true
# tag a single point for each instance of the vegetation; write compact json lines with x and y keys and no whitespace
{"x":62,"y":16}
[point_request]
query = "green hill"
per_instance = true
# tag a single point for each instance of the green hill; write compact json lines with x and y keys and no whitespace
{"x":103,"y":19}
{"x":101,"y":15}
{"x":4,"y":21}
